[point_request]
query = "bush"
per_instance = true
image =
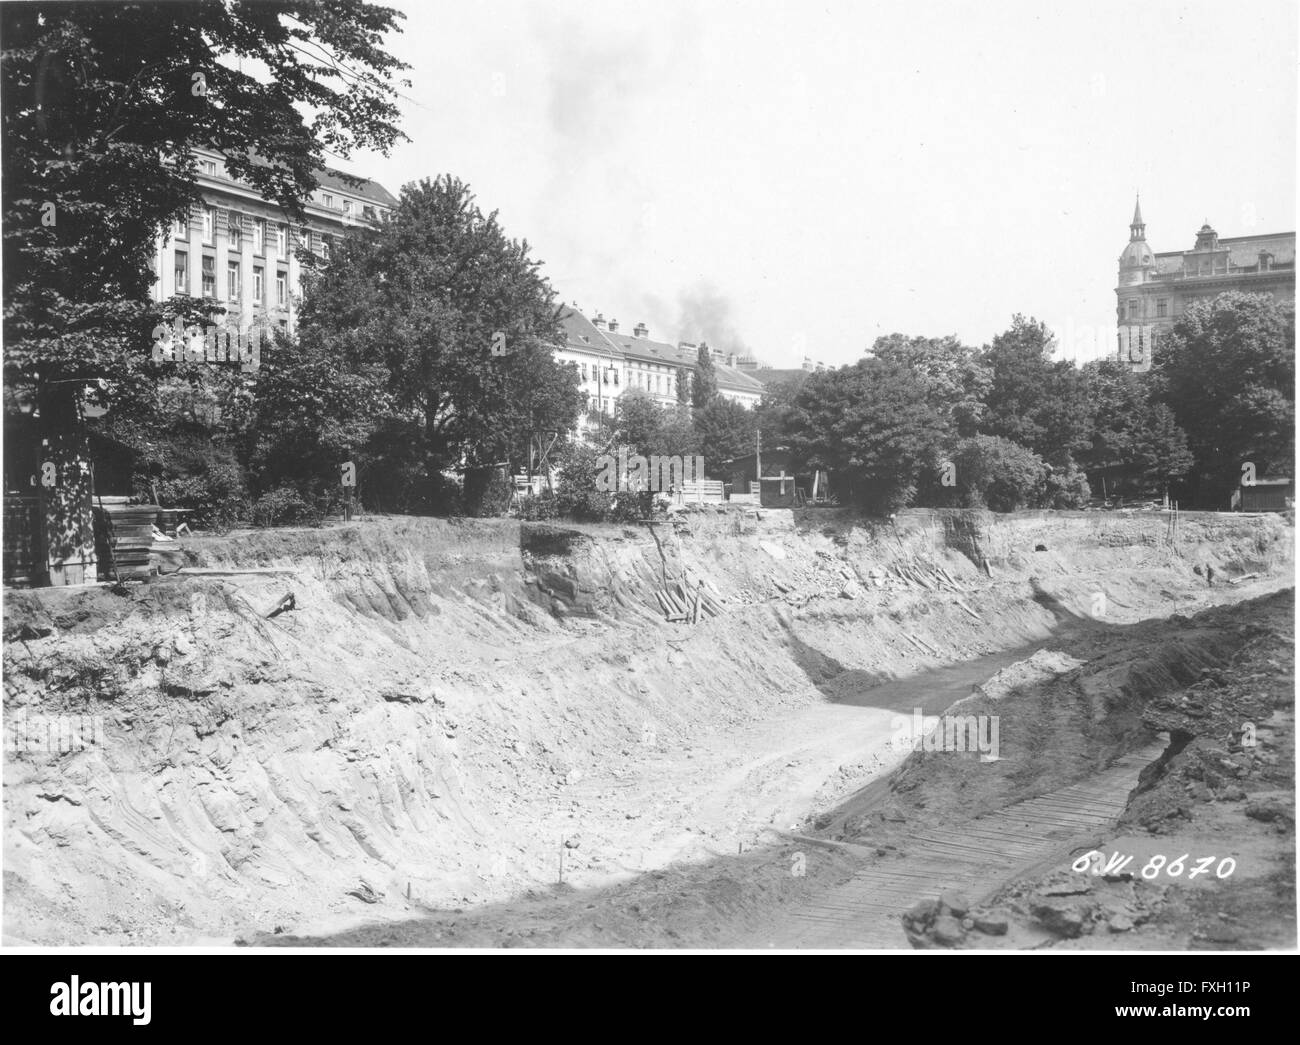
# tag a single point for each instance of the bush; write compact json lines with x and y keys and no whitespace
{"x":285,"y":506}
{"x":199,"y":474}
{"x":998,"y":474}
{"x":578,"y":496}
{"x":539,"y":507}
{"x":1066,"y":488}
{"x":487,"y":492}
{"x":633,"y":507}
{"x":442,"y":495}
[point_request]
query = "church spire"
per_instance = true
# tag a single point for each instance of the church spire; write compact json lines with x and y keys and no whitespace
{"x":1137,"y":228}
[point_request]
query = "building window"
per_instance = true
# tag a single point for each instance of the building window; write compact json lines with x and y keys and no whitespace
{"x":281,"y":289}
{"x":182,"y":272}
{"x":233,"y":229}
{"x":615,"y":375}
{"x":329,"y":200}
{"x":659,"y":383}
{"x":259,"y":285}
{"x":209,"y":167}
{"x":181,"y":228}
{"x":1162,"y":308}
{"x":209,"y":223}
{"x":368,"y":213}
{"x":232,"y":280}
{"x":259,"y":236}
{"x":325,"y":247}
{"x":282,"y":240}
{"x":1132,"y":309}
{"x":583,"y":367}
{"x":347,"y":208}
{"x":209,"y":276}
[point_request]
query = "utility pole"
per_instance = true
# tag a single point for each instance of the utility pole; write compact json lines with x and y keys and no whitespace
{"x":758,"y":459}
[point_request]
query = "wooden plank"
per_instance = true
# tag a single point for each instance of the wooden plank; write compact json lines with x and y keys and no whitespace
{"x":260,"y":571}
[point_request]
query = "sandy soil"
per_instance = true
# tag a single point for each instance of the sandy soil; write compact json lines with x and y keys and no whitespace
{"x":450,"y":706}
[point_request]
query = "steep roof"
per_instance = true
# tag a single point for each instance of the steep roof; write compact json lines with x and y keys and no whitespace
{"x":655,"y":351}
{"x":1243,"y":251}
{"x":736,"y":380}
{"x":367,"y":190}
{"x":766,"y":375}
{"x":580,"y":334}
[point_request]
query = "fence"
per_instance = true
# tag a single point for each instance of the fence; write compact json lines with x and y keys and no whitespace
{"x":702,"y":490}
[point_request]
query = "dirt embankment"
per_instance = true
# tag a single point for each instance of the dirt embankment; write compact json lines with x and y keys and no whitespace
{"x":1203,"y":854}
{"x":450,"y":705}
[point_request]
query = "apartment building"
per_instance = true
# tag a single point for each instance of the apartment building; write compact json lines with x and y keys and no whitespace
{"x":238,"y":249}
{"x":1156,"y":286}
{"x":611,"y":361}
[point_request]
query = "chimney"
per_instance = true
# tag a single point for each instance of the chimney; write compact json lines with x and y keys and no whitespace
{"x":613,"y":326}
{"x":685,"y":346}
{"x":641,"y":330}
{"x":731,"y":359}
{"x":598,"y":321}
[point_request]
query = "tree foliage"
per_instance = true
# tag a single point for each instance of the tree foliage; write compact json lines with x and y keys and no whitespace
{"x":1135,"y":442}
{"x":704,"y":385}
{"x":957,"y":379}
{"x":1227,"y":372}
{"x":102,"y":106}
{"x":873,"y":424}
{"x":724,"y":430}
{"x":996,"y":473}
{"x":1032,"y":400}
{"x":458,"y":324}
{"x":683,"y":386}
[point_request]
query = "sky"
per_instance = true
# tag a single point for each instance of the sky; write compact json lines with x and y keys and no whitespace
{"x":797,"y":179}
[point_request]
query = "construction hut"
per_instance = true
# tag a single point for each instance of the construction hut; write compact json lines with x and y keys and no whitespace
{"x":1276,"y":494}
{"x":742,"y":475}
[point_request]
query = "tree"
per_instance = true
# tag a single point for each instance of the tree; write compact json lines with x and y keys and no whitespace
{"x":683,"y":386}
{"x":996,"y":473}
{"x":1227,"y":371}
{"x":645,"y":427}
{"x":579,"y":495}
{"x":956,"y":378}
{"x":462,"y":322}
{"x":638,"y":420}
{"x":704,"y":386}
{"x":102,"y":107}
{"x":1137,"y":446}
{"x":774,"y":414}
{"x":724,"y":430}
{"x":313,"y":410}
{"x":873,"y":425}
{"x":1031,"y":400}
